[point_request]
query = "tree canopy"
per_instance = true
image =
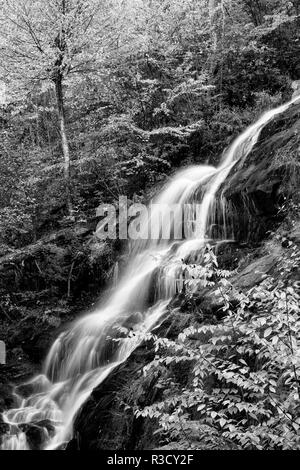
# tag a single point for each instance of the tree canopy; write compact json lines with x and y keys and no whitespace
{"x":98,"y":92}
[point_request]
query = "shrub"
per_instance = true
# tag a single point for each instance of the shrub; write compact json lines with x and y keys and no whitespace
{"x":244,"y":384}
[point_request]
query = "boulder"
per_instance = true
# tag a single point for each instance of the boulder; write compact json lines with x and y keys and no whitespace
{"x":255,"y":272}
{"x":37,"y":433}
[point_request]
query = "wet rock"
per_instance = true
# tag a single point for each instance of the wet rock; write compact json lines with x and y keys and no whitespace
{"x":4,"y":427}
{"x":35,"y":435}
{"x":255,"y":272}
{"x":105,"y":422}
{"x":285,"y":244}
{"x":294,"y":234}
{"x":35,"y":344}
{"x":6,"y":399}
{"x":39,"y":384}
{"x":258,"y":184}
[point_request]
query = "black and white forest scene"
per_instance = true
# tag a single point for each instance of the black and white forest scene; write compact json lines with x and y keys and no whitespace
{"x":149,"y":227}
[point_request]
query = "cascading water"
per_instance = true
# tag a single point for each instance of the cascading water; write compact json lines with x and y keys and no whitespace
{"x":82,"y":357}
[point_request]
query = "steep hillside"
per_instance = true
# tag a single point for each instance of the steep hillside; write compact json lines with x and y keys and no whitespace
{"x":151,"y":100}
{"x":262,"y":193}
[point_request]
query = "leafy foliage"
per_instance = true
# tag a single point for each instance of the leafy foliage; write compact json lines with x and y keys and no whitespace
{"x":141,"y":97}
{"x":244,"y":371}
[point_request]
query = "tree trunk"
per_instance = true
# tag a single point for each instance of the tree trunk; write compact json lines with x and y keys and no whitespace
{"x":211,"y":10}
{"x":64,"y":140}
{"x":211,"y":6}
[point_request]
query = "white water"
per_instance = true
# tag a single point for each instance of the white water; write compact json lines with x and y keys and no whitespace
{"x":82,"y":357}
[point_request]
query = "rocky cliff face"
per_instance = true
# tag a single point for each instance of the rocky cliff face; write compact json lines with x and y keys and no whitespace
{"x":43,"y":287}
{"x":262,"y":196}
{"x":256,"y":191}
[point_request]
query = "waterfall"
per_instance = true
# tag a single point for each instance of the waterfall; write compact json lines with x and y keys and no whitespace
{"x":82,"y":357}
